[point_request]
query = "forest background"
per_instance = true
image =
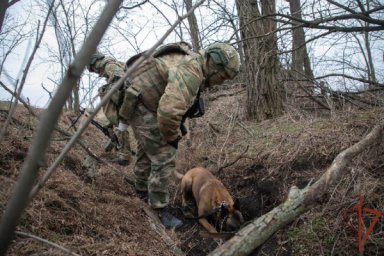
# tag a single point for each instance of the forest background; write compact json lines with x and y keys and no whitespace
{"x":322,"y":57}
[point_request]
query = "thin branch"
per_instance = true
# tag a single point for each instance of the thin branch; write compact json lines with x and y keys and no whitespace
{"x":352,"y":78}
{"x":26,"y":105}
{"x":61,"y":248}
{"x":235,"y":160}
{"x":36,"y":154}
{"x":26,"y":71}
{"x":134,"y":6}
{"x":60,"y":130}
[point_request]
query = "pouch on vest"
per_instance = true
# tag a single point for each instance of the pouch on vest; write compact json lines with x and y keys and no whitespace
{"x":111,"y":107}
{"x":131,"y":98}
{"x":117,"y":96}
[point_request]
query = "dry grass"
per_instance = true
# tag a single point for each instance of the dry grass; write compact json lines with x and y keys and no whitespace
{"x":99,"y":214}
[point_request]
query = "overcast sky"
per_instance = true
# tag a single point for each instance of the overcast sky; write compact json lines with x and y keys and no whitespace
{"x":130,"y":25}
{"x":41,"y":72}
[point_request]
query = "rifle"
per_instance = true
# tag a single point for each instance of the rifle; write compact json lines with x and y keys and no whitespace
{"x":196,"y":110}
{"x":104,"y":130}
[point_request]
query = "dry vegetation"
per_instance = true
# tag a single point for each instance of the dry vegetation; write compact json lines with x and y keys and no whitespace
{"x":94,"y":210}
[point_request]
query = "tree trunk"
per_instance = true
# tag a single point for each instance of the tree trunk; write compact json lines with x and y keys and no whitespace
{"x":371,"y":67}
{"x":300,"y":70}
{"x":264,"y":95}
{"x":193,"y":26}
{"x":76,"y":97}
{"x":300,"y":59}
{"x":3,"y":9}
{"x":4,"y":5}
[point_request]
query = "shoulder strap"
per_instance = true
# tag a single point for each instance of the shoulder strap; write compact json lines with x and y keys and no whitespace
{"x":180,"y":47}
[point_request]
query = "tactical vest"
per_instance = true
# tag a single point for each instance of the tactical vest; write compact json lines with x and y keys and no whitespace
{"x":132,"y":94}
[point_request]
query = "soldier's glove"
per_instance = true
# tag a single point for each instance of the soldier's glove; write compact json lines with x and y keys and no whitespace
{"x":183,"y":129}
{"x":175,"y":143}
{"x":109,"y":146}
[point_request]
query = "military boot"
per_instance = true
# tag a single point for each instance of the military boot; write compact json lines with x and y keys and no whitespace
{"x":124,"y":154}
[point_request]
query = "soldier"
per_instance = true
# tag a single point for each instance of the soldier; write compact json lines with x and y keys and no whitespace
{"x":159,"y":94}
{"x":112,"y":70}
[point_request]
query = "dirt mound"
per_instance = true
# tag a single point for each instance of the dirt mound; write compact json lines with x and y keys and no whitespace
{"x":92,"y":210}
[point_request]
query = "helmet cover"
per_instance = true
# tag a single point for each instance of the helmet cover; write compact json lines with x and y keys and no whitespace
{"x":225,"y":56}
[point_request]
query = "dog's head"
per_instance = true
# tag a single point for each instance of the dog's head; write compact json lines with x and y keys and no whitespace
{"x":234,"y":221}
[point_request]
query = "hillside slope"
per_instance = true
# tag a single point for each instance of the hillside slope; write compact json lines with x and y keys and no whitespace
{"x":93,"y":210}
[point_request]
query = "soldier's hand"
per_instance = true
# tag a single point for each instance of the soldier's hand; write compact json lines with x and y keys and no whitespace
{"x":113,"y":79}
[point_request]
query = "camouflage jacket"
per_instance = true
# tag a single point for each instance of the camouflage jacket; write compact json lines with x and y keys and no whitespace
{"x":184,"y":76}
{"x":168,"y":86}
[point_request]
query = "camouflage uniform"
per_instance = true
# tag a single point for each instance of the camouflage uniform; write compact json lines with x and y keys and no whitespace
{"x":112,"y":70}
{"x":166,"y":86}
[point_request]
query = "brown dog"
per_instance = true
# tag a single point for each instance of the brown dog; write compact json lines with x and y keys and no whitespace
{"x":212,"y":200}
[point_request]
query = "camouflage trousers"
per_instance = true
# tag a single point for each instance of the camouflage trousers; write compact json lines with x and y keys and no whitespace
{"x":109,"y":119}
{"x":155,"y":162}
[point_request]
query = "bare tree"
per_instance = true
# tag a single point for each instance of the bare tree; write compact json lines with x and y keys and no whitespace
{"x":4,"y":5}
{"x":194,"y":29}
{"x":67,"y":24}
{"x":331,"y":27}
{"x":300,"y":59}
{"x":264,"y":95}
{"x":39,"y":37}
{"x":38,"y":148}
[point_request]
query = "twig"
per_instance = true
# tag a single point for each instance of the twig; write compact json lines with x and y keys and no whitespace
{"x":231,"y":125}
{"x":60,"y":130}
{"x":26,"y":71}
{"x":236,"y":159}
{"x":36,"y":154}
{"x":26,"y":105}
{"x":61,"y":248}
{"x":215,"y":97}
{"x":242,"y":126}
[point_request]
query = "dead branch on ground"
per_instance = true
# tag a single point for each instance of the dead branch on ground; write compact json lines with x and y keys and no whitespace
{"x":60,"y":130}
{"x":298,"y":202}
{"x":235,"y":160}
{"x":225,"y":94}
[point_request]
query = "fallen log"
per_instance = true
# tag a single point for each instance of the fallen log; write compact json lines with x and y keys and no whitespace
{"x":298,"y":202}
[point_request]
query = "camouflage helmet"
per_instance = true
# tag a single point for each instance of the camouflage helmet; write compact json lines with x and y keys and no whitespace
{"x":225,"y":55}
{"x":95,"y":57}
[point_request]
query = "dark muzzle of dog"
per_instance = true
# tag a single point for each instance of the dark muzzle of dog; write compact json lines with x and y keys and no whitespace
{"x":226,"y":220}
{"x":233,"y":221}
